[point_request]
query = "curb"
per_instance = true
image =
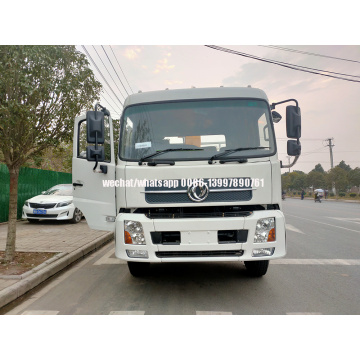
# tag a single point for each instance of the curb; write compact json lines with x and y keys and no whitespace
{"x":337,"y":200}
{"x":44,"y":271}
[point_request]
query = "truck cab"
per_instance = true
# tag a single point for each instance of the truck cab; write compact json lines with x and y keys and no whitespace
{"x":194,"y":177}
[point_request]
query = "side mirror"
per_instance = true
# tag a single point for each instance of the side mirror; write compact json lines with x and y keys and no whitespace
{"x":293,"y":122}
{"x":276,"y":117}
{"x":93,"y":154}
{"x":293,"y":148}
{"x":95,"y":127}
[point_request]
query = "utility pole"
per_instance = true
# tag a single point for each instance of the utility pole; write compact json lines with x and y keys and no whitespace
{"x":289,"y":162}
{"x":330,"y":145}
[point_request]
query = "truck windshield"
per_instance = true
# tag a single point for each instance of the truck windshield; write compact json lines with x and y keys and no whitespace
{"x":209,"y":125}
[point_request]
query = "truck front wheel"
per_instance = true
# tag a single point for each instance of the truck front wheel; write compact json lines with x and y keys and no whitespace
{"x":138,"y":269}
{"x":257,"y":268}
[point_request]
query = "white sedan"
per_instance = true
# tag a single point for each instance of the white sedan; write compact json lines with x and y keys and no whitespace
{"x":54,"y":204}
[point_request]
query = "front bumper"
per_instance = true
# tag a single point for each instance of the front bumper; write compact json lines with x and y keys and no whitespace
{"x":60,"y":213}
{"x":199,"y":238}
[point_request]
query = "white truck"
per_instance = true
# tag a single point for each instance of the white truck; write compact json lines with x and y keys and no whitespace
{"x":196,"y":177}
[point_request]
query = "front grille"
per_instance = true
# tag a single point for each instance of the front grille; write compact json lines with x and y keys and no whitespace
{"x":42,"y":206}
{"x":189,"y":254}
{"x":228,"y":196}
{"x":218,"y":192}
{"x":41,"y":215}
{"x":198,"y":211}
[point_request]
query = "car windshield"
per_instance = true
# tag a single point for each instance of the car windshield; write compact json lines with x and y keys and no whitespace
{"x":63,"y":190}
{"x":209,"y":125}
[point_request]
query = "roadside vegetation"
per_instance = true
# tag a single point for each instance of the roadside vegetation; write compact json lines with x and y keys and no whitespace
{"x":42,"y":90}
{"x":341,"y":181}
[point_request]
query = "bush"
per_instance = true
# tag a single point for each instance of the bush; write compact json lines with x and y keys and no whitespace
{"x":332,"y":194}
{"x":352,"y":195}
{"x":342,"y":194}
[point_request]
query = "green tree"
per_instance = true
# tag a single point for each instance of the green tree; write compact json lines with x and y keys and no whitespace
{"x":354,"y":177}
{"x":293,"y":181}
{"x":299,"y":179}
{"x":316,"y":179}
{"x":42,"y":89}
{"x":319,"y":168}
{"x":344,"y":166}
{"x":338,"y":177}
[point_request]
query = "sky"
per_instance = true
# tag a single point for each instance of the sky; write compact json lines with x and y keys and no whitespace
{"x":329,"y":107}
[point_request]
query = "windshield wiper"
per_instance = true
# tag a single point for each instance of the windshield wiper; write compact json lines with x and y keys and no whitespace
{"x":231,"y":151}
{"x":164,"y":151}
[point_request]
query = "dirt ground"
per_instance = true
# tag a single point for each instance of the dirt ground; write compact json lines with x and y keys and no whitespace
{"x":23,"y":262}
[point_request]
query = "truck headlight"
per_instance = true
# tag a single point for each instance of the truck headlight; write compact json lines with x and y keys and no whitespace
{"x":265,"y":230}
{"x":134,"y":233}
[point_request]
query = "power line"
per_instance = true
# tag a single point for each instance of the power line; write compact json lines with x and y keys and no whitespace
{"x":114,"y":69}
{"x":108,"y":71}
{"x":287,"y":65}
{"x":111,"y":97}
{"x":102,"y":95}
{"x":91,"y":59}
{"x":104,"y":89}
{"x":121,"y":69}
{"x":306,"y":53}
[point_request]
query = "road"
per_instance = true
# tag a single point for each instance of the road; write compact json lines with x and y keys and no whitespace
{"x":320,"y":275}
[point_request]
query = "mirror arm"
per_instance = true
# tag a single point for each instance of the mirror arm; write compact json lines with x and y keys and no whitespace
{"x":290,"y":165}
{"x":272,"y":106}
{"x":103,"y":109}
{"x":96,"y":147}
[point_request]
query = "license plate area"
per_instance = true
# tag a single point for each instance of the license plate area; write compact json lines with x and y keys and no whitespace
{"x":37,"y":211}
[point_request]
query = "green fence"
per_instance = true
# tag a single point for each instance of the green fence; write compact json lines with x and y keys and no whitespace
{"x":31,"y":183}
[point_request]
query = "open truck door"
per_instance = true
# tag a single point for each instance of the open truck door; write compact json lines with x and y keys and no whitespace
{"x":93,"y":166}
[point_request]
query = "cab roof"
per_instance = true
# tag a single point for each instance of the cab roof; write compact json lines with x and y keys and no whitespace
{"x":194,"y":93}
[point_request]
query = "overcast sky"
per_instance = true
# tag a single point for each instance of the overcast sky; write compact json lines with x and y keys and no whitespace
{"x":329,"y":107}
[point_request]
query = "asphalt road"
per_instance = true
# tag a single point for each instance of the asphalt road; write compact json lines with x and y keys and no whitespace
{"x":320,"y":275}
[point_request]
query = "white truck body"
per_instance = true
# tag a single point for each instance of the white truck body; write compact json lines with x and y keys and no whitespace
{"x":220,"y":223}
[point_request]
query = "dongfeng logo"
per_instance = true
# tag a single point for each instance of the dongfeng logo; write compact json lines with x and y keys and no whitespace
{"x":198,"y":193}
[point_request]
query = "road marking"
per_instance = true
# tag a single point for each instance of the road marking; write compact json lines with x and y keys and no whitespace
{"x":40,"y":312}
{"x":107,"y":260}
{"x":293,"y":228}
{"x":303,"y":313}
{"x":316,"y":262}
{"x":213,"y":313}
{"x":350,"y":220}
{"x":127,"y":313}
{"x":319,"y":222}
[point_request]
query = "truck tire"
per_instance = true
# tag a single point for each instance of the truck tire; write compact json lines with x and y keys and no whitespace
{"x":76,"y":217}
{"x":138,"y":269}
{"x":257,"y":268}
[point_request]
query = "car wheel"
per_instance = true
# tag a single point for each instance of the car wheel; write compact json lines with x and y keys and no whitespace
{"x":33,"y":220}
{"x":257,"y":268}
{"x":138,"y":269}
{"x":76,"y":217}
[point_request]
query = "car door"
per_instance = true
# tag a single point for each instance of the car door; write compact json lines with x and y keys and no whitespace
{"x":92,"y":192}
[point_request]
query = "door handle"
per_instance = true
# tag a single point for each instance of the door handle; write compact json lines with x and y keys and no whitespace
{"x":77,"y":184}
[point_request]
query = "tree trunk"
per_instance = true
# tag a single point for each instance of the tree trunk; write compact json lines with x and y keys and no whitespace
{"x":11,"y":234}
